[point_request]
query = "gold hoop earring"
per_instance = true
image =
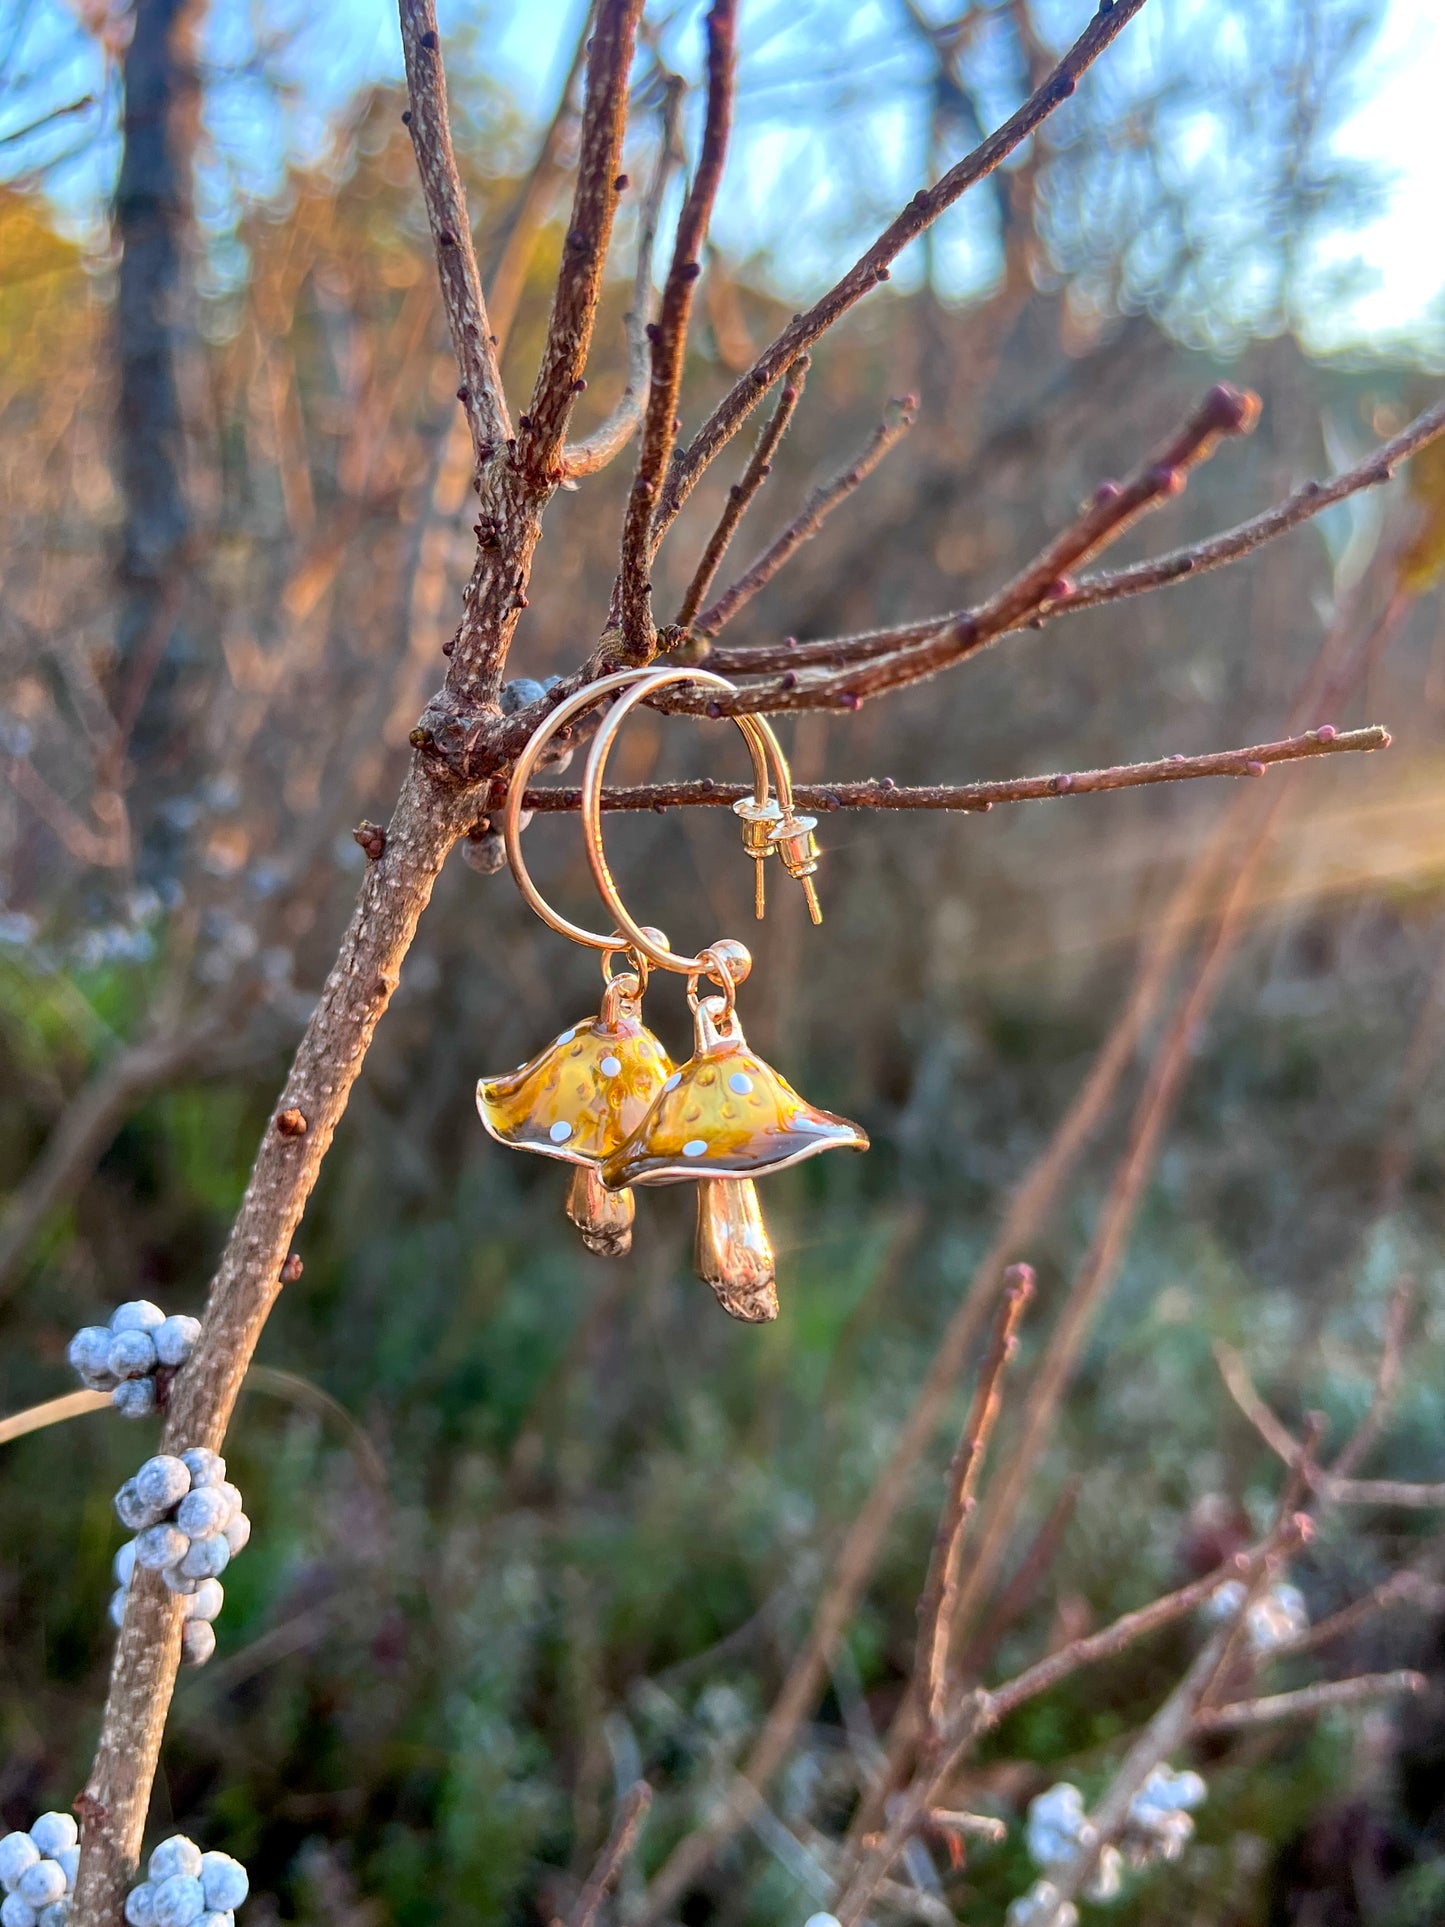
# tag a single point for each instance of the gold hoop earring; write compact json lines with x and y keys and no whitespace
{"x":584,"y":1093}
{"x":726,"y":1116}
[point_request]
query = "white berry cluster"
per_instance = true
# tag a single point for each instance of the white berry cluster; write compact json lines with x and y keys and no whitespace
{"x":1058,"y":1831}
{"x":1041,"y":1902}
{"x":1276,"y":1618}
{"x":37,"y":1871}
{"x":1161,"y":1816}
{"x":123,"y":1357}
{"x":187,"y":1888}
{"x":189,"y":1524}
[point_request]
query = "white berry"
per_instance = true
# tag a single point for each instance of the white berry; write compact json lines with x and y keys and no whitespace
{"x":55,"y":1915}
{"x":225,"y":1882}
{"x":218,"y":1920}
{"x":132,"y":1354}
{"x":134,"y":1397}
{"x":179,"y":1901}
{"x":54,"y":1832}
{"x":162,"y":1482}
{"x":237,"y":1533}
{"x":207,"y":1558}
{"x":89,"y":1349}
{"x":123,"y":1565}
{"x":232,"y":1496}
{"x":198,"y":1641}
{"x":205,"y":1467}
{"x":160,"y":1546}
{"x":116,"y":1608}
{"x":17,"y":1852}
{"x":136,"y":1315}
{"x":173,"y":1856}
{"x":174,"y":1580}
{"x":140,"y":1905}
{"x":206,"y":1601}
{"x":132,"y":1510}
{"x":41,"y":1884}
{"x":15,"y":1912}
{"x":69,"y":1858}
{"x":175,"y":1339}
{"x":203,"y":1512}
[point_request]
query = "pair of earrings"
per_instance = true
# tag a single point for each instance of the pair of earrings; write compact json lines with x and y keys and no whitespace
{"x":605,"y":1096}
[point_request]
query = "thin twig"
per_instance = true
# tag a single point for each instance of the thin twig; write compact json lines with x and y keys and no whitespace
{"x":1110,"y":511}
{"x":630,"y":1815}
{"x":740,"y":495}
{"x":1387,"y":1374}
{"x":1307,"y":501}
{"x":1399,"y":1588}
{"x":1411,"y":1495}
{"x":560,"y":373}
{"x":1238,"y":1714}
{"x":1241,"y":1388}
{"x":528,"y":212}
{"x":872,"y":268}
{"x":884,"y":795}
{"x":446,"y":205}
{"x":1019,"y":1593}
{"x":611,"y":436}
{"x":54,"y":1411}
{"x":897,"y":420}
{"x":668,"y":337}
{"x":940,"y":1589}
{"x":949,"y":634}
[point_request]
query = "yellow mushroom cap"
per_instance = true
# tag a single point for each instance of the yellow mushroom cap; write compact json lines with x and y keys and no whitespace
{"x":580,"y":1097}
{"x":726,"y":1114}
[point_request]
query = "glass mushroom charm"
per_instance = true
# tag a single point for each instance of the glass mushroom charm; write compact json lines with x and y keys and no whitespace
{"x":726,"y":1116}
{"x":723,"y":1119}
{"x":578,"y":1100}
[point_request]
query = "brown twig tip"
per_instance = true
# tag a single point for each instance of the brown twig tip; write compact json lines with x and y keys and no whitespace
{"x":630,"y":1815}
{"x":1019,"y":1282}
{"x":291,"y":1123}
{"x":1239,"y":1714}
{"x":292,"y":1269}
{"x":1231,"y":411}
{"x":372,"y":838}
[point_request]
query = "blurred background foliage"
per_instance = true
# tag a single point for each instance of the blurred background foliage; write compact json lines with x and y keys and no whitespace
{"x":531,"y":1522}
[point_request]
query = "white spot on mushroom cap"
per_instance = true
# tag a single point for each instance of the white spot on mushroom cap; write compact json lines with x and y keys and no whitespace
{"x":694,"y":1147}
{"x":610,"y":1066}
{"x":559,"y":1132}
{"x":673,"y":1081}
{"x":566,"y":1037}
{"x":741,"y":1083}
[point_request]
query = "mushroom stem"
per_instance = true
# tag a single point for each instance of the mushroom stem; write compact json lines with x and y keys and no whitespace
{"x":733,"y":1254}
{"x":603,"y":1217}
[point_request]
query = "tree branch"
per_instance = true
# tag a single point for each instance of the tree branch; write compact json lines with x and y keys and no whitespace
{"x":1281,"y":1441}
{"x":1112,"y":509}
{"x":528,"y":212}
{"x":1239,"y":1714}
{"x":668,"y":337}
{"x":963,"y":631}
{"x":446,"y":206}
{"x":611,"y":436}
{"x":897,"y":421}
{"x":1307,"y":501}
{"x":740,"y":495}
{"x":935,"y":1606}
{"x":541,"y":431}
{"x":884,"y":794}
{"x":623,"y":1838}
{"x":873,"y":266}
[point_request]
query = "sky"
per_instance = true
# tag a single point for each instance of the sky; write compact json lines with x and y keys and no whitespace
{"x":858,"y":54}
